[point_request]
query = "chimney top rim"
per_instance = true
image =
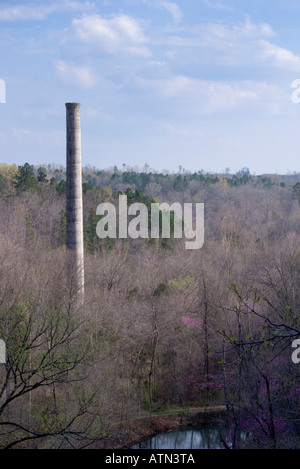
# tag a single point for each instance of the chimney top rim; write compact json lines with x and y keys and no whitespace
{"x":73,"y":104}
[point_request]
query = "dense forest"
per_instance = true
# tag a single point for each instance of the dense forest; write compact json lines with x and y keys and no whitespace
{"x":161,"y":327}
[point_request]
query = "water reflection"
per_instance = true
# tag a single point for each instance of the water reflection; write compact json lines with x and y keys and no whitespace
{"x":189,"y":438}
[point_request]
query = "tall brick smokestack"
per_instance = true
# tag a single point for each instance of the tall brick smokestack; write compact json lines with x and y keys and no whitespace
{"x":74,"y":196}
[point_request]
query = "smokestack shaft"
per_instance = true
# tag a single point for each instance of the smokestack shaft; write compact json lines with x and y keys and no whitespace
{"x":74,"y":193}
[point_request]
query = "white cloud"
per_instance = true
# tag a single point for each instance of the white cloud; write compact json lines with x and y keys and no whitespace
{"x":120,"y":33}
{"x":207,"y":97}
{"x":79,"y":76}
{"x":279,"y":56}
{"x":158,"y":63}
{"x":179,"y":85}
{"x":244,"y":44}
{"x":222,"y":95}
{"x":222,"y":35}
{"x":40,"y":12}
{"x":171,"y":7}
{"x":217,"y":43}
{"x":24,"y":12}
{"x":248,"y":29}
{"x":213,"y":95}
{"x":217,"y":5}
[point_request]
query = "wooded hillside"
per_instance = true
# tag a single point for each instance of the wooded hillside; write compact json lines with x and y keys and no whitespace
{"x":161,"y":326}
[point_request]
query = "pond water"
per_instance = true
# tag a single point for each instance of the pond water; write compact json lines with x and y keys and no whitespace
{"x":204,"y":437}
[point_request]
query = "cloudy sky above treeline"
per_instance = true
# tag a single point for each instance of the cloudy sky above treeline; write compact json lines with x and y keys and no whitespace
{"x":201,"y":84}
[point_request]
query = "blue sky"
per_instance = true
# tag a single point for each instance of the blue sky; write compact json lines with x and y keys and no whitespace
{"x":203,"y":84}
